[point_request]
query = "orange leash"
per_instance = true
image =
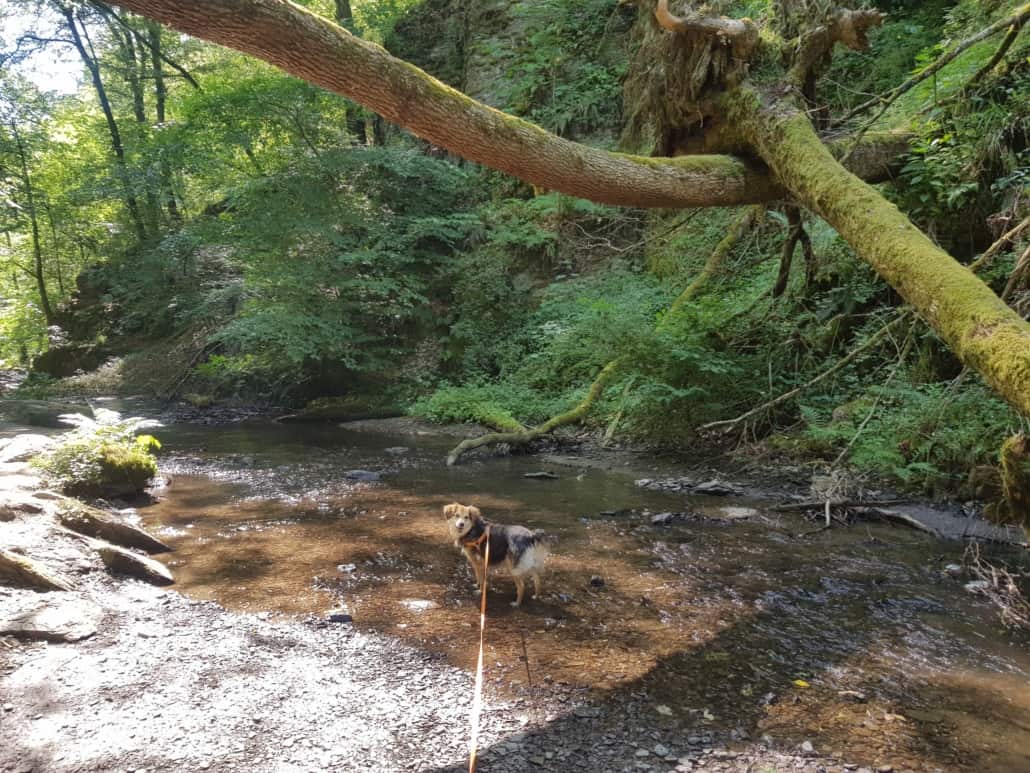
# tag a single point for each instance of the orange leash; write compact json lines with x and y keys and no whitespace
{"x":477,"y":695}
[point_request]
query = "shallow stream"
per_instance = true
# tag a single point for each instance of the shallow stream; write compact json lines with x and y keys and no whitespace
{"x":852,"y":639}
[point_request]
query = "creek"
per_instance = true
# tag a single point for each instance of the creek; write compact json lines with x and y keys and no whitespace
{"x":853,"y":638}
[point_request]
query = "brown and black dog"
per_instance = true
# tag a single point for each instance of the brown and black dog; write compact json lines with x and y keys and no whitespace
{"x":522,"y":551}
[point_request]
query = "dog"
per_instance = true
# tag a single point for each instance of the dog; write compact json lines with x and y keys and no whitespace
{"x":521,"y":550}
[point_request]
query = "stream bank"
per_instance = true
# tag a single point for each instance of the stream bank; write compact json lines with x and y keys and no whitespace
{"x":690,"y":653}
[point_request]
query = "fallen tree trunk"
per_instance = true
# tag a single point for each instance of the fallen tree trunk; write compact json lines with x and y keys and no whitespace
{"x":982,"y":331}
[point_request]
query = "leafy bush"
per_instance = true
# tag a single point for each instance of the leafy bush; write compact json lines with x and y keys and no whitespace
{"x":102,"y":457}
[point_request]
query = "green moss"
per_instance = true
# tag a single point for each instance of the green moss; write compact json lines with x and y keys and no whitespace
{"x":128,"y":465}
{"x":1014,"y":462}
{"x":978,"y":326}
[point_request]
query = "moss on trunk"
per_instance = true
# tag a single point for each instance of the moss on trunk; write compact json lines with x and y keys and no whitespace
{"x":979,"y":327}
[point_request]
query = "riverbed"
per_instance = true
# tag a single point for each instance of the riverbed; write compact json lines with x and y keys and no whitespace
{"x":852,"y":639}
{"x":675,"y":631}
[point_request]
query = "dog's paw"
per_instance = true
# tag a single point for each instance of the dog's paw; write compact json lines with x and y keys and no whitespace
{"x":515,"y":604}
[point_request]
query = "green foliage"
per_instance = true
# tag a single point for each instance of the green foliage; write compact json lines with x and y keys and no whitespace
{"x":925,"y":436}
{"x":566,"y":75}
{"x":101,"y":457}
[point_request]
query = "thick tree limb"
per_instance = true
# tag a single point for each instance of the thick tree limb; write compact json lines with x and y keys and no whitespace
{"x":575,"y":414}
{"x":319,"y":51}
{"x":1017,"y":19}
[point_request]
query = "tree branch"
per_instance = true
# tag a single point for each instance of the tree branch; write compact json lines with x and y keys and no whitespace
{"x":1017,"y":19}
{"x":729,"y":424}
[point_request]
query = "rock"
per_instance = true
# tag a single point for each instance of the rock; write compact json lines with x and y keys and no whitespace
{"x":142,"y":568}
{"x":977,"y":586}
{"x":541,"y":475}
{"x":597,"y":581}
{"x":663,"y":519}
{"x":7,"y":513}
{"x":854,"y":696}
{"x":362,"y":475}
{"x":8,"y":707}
{"x":587,"y":712}
{"x":67,"y":617}
{"x":24,"y":572}
{"x":24,"y":447}
{"x":660,"y":750}
{"x":716,"y":488}
{"x":102,"y":525}
{"x":40,"y":413}
{"x":397,"y":450}
{"x":953,"y":570}
{"x":339,"y":617}
{"x":807,"y":748}
{"x":885,"y":769}
{"x":643,"y":753}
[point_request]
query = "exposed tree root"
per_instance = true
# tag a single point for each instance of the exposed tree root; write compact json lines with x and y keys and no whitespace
{"x":610,"y":371}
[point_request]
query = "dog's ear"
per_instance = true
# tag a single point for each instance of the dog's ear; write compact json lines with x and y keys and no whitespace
{"x":451,"y":510}
{"x":474,"y":512}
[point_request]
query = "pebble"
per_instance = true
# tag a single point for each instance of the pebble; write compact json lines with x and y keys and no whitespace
{"x":807,"y":747}
{"x":8,"y":707}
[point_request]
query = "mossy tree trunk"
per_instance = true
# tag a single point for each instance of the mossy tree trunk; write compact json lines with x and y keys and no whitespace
{"x":697,"y":74}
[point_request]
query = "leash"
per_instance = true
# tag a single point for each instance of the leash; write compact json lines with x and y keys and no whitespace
{"x":477,"y":694}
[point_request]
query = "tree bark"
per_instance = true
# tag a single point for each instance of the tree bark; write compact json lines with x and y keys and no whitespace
{"x":976,"y":324}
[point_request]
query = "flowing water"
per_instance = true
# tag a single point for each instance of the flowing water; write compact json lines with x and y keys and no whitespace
{"x":851,"y":638}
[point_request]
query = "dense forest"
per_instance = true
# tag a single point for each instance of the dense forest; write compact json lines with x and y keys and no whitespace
{"x":194,"y":223}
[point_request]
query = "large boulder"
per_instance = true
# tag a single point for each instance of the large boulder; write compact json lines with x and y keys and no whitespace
{"x":65,"y":617}
{"x":21,"y":448}
{"x":124,"y":561}
{"x":67,"y":360}
{"x":22,"y":571}
{"x":102,"y":525}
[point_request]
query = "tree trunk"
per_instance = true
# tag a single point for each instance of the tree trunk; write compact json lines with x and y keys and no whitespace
{"x":37,"y":248}
{"x":112,"y":126}
{"x":160,"y":100}
{"x":980,"y":328}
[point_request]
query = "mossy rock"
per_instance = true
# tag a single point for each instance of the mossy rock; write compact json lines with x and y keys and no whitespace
{"x":198,"y":400}
{"x":125,"y":468}
{"x":346,"y":408}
